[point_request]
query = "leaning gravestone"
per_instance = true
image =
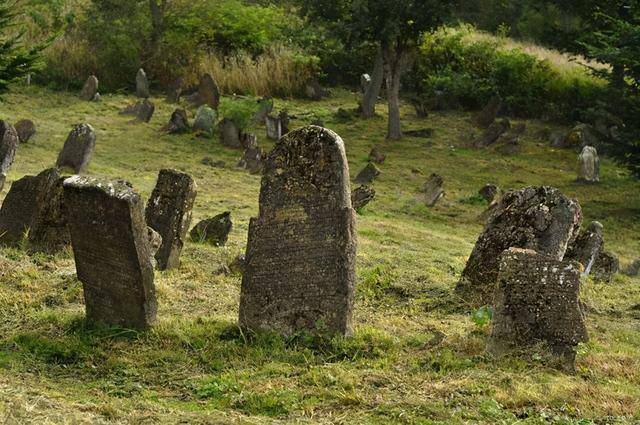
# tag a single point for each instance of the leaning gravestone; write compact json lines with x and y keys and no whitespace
{"x":362,"y":196}
{"x":112,"y":253}
{"x":143,"y":110}
{"x":537,"y":299}
{"x":90,"y":89}
{"x":9,"y":142}
{"x":433,"y":190}
{"x":368,"y":174}
{"x":26,"y":129}
{"x":34,"y":209}
{"x":587,"y":247}
{"x":489,"y":113}
{"x":169,"y":213}
{"x":78,"y":149}
{"x":538,"y":218}
{"x":492,"y":134}
{"x":142,"y":84}
{"x":300,"y":258}
{"x":589,"y":165}
{"x":204,"y":122}
{"x":208,"y":92}
{"x":213,"y":230}
{"x":178,"y":123}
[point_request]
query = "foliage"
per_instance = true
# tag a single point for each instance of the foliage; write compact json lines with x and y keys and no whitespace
{"x":482,"y":316}
{"x":239,"y":110}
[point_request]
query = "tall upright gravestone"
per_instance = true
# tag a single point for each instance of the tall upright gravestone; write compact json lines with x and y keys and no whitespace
{"x":9,"y":142}
{"x":300,"y":258}
{"x":169,"y":213}
{"x":112,"y":251}
{"x":78,"y":149}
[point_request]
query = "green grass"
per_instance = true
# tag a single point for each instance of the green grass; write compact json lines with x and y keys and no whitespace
{"x":417,"y":355}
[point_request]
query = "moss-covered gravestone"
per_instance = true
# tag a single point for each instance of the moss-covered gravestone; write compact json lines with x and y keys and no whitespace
{"x":78,"y":149}
{"x":9,"y":142}
{"x":112,"y":251}
{"x":169,"y":213}
{"x":300,"y":258}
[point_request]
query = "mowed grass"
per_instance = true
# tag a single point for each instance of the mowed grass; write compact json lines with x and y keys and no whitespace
{"x":416,"y":357}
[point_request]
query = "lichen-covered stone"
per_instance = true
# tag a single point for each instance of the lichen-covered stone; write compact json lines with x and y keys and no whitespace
{"x":142,"y":84}
{"x":589,"y":165}
{"x":587,"y":247}
{"x":178,"y":123}
{"x":229,"y":134}
{"x":368,"y":174}
{"x":169,"y":212}
{"x":204,"y":122}
{"x":111,"y":250}
{"x":9,"y":142}
{"x":143,"y":110}
{"x":489,"y":192}
{"x":361,"y":197}
{"x":274,"y":127}
{"x":34,"y":207}
{"x":433,"y":190}
{"x":26,"y":129}
{"x":300,"y":258}
{"x":537,"y":299}
{"x":537,"y":218}
{"x":605,"y":267}
{"x":78,"y":149}
{"x":213,"y":230}
{"x":90,"y":89}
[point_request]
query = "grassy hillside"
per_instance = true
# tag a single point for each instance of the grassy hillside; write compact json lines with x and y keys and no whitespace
{"x":417,"y":357}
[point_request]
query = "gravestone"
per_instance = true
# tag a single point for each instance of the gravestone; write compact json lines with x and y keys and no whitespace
{"x":587,"y":247}
{"x":314,"y":90}
{"x":26,"y":129}
{"x":376,"y":156}
{"x":633,"y":269}
{"x":265,"y":106}
{"x":580,"y":136}
{"x":112,"y":253}
{"x":78,"y":149}
{"x":229,"y":134}
{"x":489,"y":192}
{"x":208,"y":92}
{"x":589,"y":165}
{"x":605,"y":267}
{"x":537,"y":299}
{"x":284,"y":122}
{"x":174,"y":91}
{"x":365,"y":82}
{"x":492,"y":134}
{"x":34,"y":209}
{"x":537,"y":218}
{"x":9,"y":142}
{"x":274,"y":127}
{"x":510,"y":142}
{"x":204,"y":122}
{"x":142,"y":84}
{"x":556,"y":139}
{"x":368,"y":174}
{"x":433,"y":190}
{"x":169,"y":213}
{"x":178,"y":123}
{"x":90,"y":89}
{"x":300,"y":258}
{"x":213,"y":230}
{"x":362,"y":196}
{"x":253,"y":155}
{"x":488,"y":115}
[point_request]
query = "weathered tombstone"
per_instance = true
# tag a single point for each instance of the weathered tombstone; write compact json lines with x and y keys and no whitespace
{"x":274,"y":127}
{"x":78,"y":149}
{"x":368,"y":174}
{"x":229,"y":134}
{"x":265,"y":106}
{"x":589,"y":165}
{"x":362,"y":196}
{"x":433,"y":190}
{"x":111,"y":248}
{"x":538,"y":218}
{"x":489,"y":192}
{"x":208,"y":92}
{"x":633,"y":269}
{"x":376,"y":156}
{"x":204,"y":122}
{"x":365,"y":82}
{"x":492,"y":134}
{"x":178,"y":123}
{"x":9,"y":142}
{"x":510,"y":143}
{"x":252,"y":159}
{"x":300,"y":258}
{"x":489,"y":113}
{"x":213,"y":230}
{"x":142,"y":84}
{"x":284,"y":121}
{"x":537,"y":299}
{"x":587,"y":247}
{"x":605,"y":267}
{"x":238,"y":265}
{"x":26,"y":129}
{"x":143,"y":110}
{"x":90,"y":89}
{"x":33,"y":210}
{"x":168,"y":212}
{"x":175,"y":91}
{"x":314,"y":90}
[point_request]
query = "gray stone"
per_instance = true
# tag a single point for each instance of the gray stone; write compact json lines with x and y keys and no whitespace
{"x":489,"y":192}
{"x":587,"y":247}
{"x":589,"y":165}
{"x":208,"y":92}
{"x":433,"y":190}
{"x":537,"y":299}
{"x":238,"y":265}
{"x":492,"y":134}
{"x":538,"y":218}
{"x":633,"y":269}
{"x":580,"y":136}
{"x":510,"y":142}
{"x":284,"y":121}
{"x":178,"y":123}
{"x":556,"y":138}
{"x":204,"y":122}
{"x":143,"y":110}
{"x":26,"y":129}
{"x":213,"y":230}
{"x":265,"y":106}
{"x":368,"y":174}
{"x":365,"y":82}
{"x":605,"y":267}
{"x":78,"y":149}
{"x":274,"y":127}
{"x":376,"y":156}
{"x":33,"y":211}
{"x":90,"y":89}
{"x":142,"y":84}
{"x":362,"y":196}
{"x":112,"y":254}
{"x":169,"y":212}
{"x":229,"y":134}
{"x":212,"y":162}
{"x":488,"y":115}
{"x":252,"y":159}
{"x":9,"y":142}
{"x":314,"y":90}
{"x":301,"y":251}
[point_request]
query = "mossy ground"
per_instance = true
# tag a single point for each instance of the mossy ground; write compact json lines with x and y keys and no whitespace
{"x":417,"y":357}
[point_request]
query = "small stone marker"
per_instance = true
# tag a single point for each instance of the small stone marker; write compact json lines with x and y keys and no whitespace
{"x":538,"y":218}
{"x":34,"y":208}
{"x":208,"y":92}
{"x":169,"y":213}
{"x":376,"y":156}
{"x":605,"y":267}
{"x":26,"y":129}
{"x":78,"y":149}
{"x":284,"y":121}
{"x":143,"y":110}
{"x":175,"y":91}
{"x":433,"y":190}
{"x":252,"y":159}
{"x":492,"y":134}
{"x":142,"y":84}
{"x":204,"y":122}
{"x":229,"y":134}
{"x":488,"y":115}
{"x":178,"y":123}
{"x":589,"y":165}
{"x":368,"y":174}
{"x":362,"y":196}
{"x":489,"y":192}
{"x":265,"y":106}
{"x":300,"y":258}
{"x":90,"y":90}
{"x":214,"y":230}
{"x":111,"y":248}
{"x":633,"y":269}
{"x":587,"y":247}
{"x":537,"y":299}
{"x":9,"y":142}
{"x":274,"y":127}
{"x":314,"y":90}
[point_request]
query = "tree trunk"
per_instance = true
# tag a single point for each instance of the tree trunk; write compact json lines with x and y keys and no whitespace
{"x":370,"y":97}
{"x":158,"y":9}
{"x":396,"y":62}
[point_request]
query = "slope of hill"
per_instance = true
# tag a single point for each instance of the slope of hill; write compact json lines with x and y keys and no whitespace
{"x":417,"y":357}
